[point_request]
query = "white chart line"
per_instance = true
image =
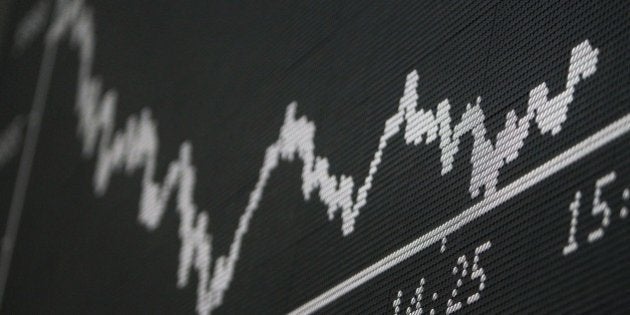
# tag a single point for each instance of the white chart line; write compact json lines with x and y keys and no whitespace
{"x":26,"y":163}
{"x":135,"y":148}
{"x":546,"y":170}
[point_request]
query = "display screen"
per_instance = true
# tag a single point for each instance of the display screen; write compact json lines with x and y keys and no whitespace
{"x":327,"y":157}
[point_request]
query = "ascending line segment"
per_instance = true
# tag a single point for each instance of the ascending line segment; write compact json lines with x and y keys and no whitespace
{"x":546,"y":170}
{"x":26,"y":161}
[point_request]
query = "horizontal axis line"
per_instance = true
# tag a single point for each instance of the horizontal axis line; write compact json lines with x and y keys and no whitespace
{"x":587,"y":146}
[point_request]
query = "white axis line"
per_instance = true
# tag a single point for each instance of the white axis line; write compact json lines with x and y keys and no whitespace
{"x":26,"y":163}
{"x":551,"y":167}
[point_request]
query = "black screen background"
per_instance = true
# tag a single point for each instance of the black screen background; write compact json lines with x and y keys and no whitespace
{"x":221,"y":76}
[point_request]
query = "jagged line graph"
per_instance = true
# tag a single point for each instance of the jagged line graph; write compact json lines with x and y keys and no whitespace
{"x":135,"y":147}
